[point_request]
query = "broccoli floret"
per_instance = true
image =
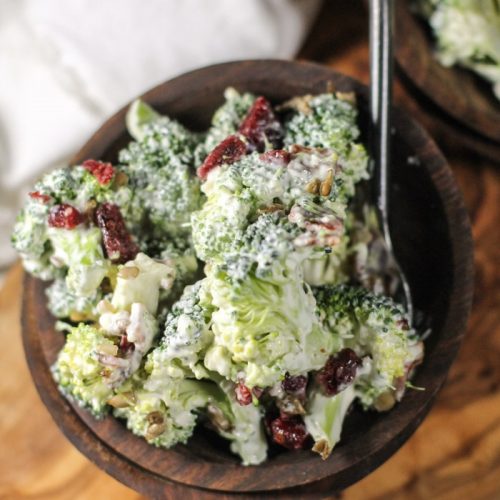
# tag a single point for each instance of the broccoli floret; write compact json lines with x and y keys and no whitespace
{"x":223,"y":216}
{"x":329,"y":267}
{"x":263,"y":330}
{"x":150,"y":418}
{"x":234,"y":194}
{"x":225,"y":121}
{"x":78,"y":371}
{"x":32,"y":237}
{"x":187,"y":334}
{"x":265,"y":249}
{"x":96,"y":360}
{"x":79,"y":250}
{"x":313,"y":189}
{"x":30,"y":240}
{"x":160,"y":408}
{"x":160,"y":168}
{"x":376,"y":328}
{"x":63,"y":303}
{"x":323,"y":121}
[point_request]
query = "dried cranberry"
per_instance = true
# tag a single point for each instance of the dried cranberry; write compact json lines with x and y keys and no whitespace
{"x":118,"y":243}
{"x":125,"y":345}
{"x":103,"y":172}
{"x":261,"y":127}
{"x":277,"y":156}
{"x":36,"y":195}
{"x":243,"y":394}
{"x":290,"y":432}
{"x":231,"y":149}
{"x":65,"y":216}
{"x":338,"y":372}
{"x":293,"y":384}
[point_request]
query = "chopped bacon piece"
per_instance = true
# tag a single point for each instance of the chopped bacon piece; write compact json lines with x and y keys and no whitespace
{"x":338,"y":372}
{"x":36,"y":195}
{"x":118,"y":243}
{"x":289,"y":432}
{"x":103,"y":172}
{"x":64,"y":216}
{"x":231,"y":149}
{"x":243,"y":394}
{"x":261,"y":127}
{"x":278,"y":156}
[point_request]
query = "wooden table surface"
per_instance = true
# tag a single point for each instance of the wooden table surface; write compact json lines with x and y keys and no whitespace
{"x":454,"y":455}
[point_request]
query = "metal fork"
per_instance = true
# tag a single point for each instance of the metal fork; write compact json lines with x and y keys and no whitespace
{"x":381,"y":77}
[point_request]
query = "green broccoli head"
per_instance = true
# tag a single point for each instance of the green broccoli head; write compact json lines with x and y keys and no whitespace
{"x":323,"y":121}
{"x":160,"y":168}
{"x":150,"y":418}
{"x":329,"y":267}
{"x":63,"y":303}
{"x":96,"y":360}
{"x":311,"y":187}
{"x":160,"y":408}
{"x":186,"y":337}
{"x":225,"y":121}
{"x":30,"y":240}
{"x":263,"y":330}
{"x":37,"y":243}
{"x":266,"y":249}
{"x":377,"y":329}
{"x":149,"y":415}
{"x":79,"y":251}
{"x":224,"y":214}
{"x":78,"y":371}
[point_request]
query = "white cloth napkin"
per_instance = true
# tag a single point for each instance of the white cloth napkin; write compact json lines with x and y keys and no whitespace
{"x":67,"y":65}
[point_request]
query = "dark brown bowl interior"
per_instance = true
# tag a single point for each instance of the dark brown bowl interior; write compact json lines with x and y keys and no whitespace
{"x":463,"y":95}
{"x":432,"y":238}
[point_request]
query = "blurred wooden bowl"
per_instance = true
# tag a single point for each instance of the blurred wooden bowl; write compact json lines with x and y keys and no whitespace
{"x":433,"y":241}
{"x":462,"y":94}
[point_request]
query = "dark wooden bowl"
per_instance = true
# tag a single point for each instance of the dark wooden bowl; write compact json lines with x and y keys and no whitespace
{"x":433,"y":240}
{"x":463,"y":95}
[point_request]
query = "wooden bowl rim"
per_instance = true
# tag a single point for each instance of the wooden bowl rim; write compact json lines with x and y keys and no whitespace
{"x":287,"y":476}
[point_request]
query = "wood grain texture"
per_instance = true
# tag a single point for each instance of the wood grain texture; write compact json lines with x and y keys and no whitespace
{"x":434,"y":249}
{"x":462,"y":94}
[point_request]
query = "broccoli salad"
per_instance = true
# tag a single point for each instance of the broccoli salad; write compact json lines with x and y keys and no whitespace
{"x":468,"y":34}
{"x":231,"y":279}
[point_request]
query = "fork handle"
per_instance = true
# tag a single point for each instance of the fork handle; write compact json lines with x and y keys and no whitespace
{"x":381,"y":76}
